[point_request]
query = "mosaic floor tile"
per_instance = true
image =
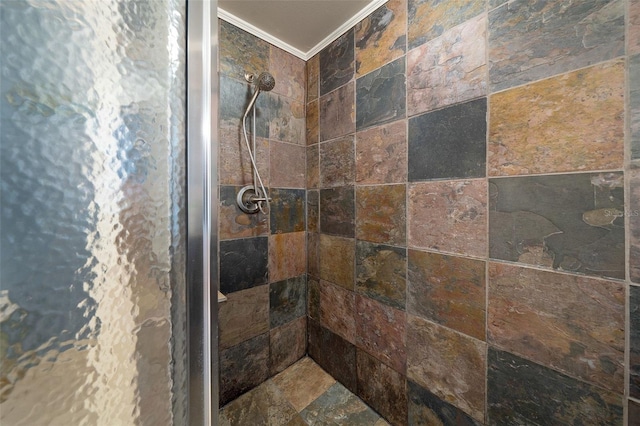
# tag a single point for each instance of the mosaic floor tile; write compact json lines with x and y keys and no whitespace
{"x":380,"y":95}
{"x":337,"y":62}
{"x":381,"y":273}
{"x":381,"y":154}
{"x":337,"y":113}
{"x":345,"y":409}
{"x":337,"y":162}
{"x":381,"y":214}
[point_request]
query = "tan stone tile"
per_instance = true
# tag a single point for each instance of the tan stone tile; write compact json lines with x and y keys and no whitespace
{"x":381,"y":154}
{"x":287,"y":165}
{"x":634,"y":27}
{"x":337,"y":162}
{"x":381,"y":214}
{"x":244,"y":315}
{"x":337,"y":310}
{"x":428,"y":19}
{"x":235,"y":163}
{"x":337,"y":257}
{"x":287,"y":255}
{"x":303,"y":382}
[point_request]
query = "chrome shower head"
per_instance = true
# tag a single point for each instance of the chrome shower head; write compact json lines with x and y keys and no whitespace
{"x":265,"y":81}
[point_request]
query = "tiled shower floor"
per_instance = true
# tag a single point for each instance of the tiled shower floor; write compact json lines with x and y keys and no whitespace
{"x":303,"y":394}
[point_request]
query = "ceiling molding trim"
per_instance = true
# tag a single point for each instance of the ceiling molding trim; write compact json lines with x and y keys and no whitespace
{"x":251,"y":29}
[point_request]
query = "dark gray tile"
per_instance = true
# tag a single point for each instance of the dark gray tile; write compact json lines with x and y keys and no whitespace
{"x":337,"y":211}
{"x":569,"y":222}
{"x":287,"y":300}
{"x":381,"y":95}
{"x":634,"y":341}
{"x":449,"y":143}
{"x":381,"y":273}
{"x":243,"y":367}
{"x":425,"y":409}
{"x":243,"y":263}
{"x":287,"y":210}
{"x":313,"y":306}
{"x":523,"y":393}
{"x":338,"y":406}
{"x":234,"y":98}
{"x":337,"y":62}
{"x":634,"y":413}
{"x":287,"y":344}
{"x":333,"y":353}
{"x":337,"y":113}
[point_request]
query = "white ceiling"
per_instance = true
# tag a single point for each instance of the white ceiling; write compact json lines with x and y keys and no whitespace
{"x":301,"y":27}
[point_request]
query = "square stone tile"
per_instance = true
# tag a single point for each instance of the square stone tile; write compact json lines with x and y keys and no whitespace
{"x":634,"y":225}
{"x":381,"y":273}
{"x":313,"y":77}
{"x":264,"y":405}
{"x":244,"y":315}
{"x":287,"y":120}
{"x":313,"y":254}
{"x":287,"y":255}
{"x":337,"y":162}
{"x":634,"y":27}
{"x":381,"y":95}
{"x":381,"y":154}
{"x":243,"y":367}
{"x":313,"y":166}
{"x":287,"y":165}
{"x":429,"y":19}
{"x":425,"y":406}
{"x":234,"y":223}
{"x":313,"y":211}
{"x":289,"y":72}
{"x":287,"y":300}
{"x":634,"y":104}
{"x":313,"y":122}
{"x":287,"y":344}
{"x":303,"y":383}
{"x":338,"y":406}
{"x":333,"y":353}
{"x":381,"y":214}
{"x":243,"y":264}
{"x":634,"y":341}
{"x":287,"y":210}
{"x":337,"y":62}
{"x":313,"y":306}
{"x":337,"y":211}
{"x":337,"y":260}
{"x":241,"y":52}
{"x":234,"y":99}
{"x":337,"y":113}
{"x":337,"y":310}
{"x":634,"y":412}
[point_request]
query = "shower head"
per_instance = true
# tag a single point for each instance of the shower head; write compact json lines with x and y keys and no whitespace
{"x":265,"y":81}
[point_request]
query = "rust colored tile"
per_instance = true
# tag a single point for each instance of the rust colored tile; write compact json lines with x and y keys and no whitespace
{"x":287,"y":344}
{"x":313,"y":211}
{"x":313,"y":254}
{"x":287,"y":165}
{"x":381,"y":273}
{"x":634,"y":27}
{"x":313,"y":77}
{"x":313,"y":123}
{"x":313,"y":166}
{"x":448,"y":364}
{"x":448,"y":290}
{"x":287,"y":256}
{"x":380,"y":330}
{"x":381,"y":36}
{"x":288,"y":120}
{"x":337,"y":112}
{"x":337,"y":256}
{"x":428,"y":19}
{"x":337,"y":162}
{"x":337,"y":307}
{"x":313,"y":306}
{"x":244,"y":315}
{"x":449,"y":216}
{"x":241,"y":52}
{"x":381,"y":154}
{"x":572,"y":122}
{"x":634,"y":225}
{"x":289,"y":72}
{"x":381,"y":214}
{"x":570,"y":323}
{"x":235,"y":164}
{"x":234,"y":223}
{"x":243,"y":367}
{"x":337,"y":211}
{"x":303,"y":383}
{"x":448,"y":70}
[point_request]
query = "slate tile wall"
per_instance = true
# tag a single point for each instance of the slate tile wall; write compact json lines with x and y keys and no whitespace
{"x":262,"y":258}
{"x":473,"y":211}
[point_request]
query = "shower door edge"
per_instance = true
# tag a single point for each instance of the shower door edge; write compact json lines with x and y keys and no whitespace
{"x":202,"y":238}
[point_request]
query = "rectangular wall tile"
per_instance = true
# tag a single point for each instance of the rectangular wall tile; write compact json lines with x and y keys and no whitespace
{"x":243,"y":263}
{"x":313,"y":306}
{"x":312,"y":119}
{"x":381,"y":214}
{"x":381,"y":95}
{"x":313,"y":211}
{"x":448,"y":364}
{"x":561,"y":221}
{"x":334,"y":354}
{"x":541,"y":127}
{"x":287,"y":120}
{"x":381,"y":154}
{"x":448,"y":216}
{"x":381,"y":273}
{"x":313,"y":166}
{"x":337,"y":113}
{"x":521,"y":392}
{"x":313,"y":77}
{"x":337,"y":211}
{"x":234,"y":223}
{"x":380,"y":330}
{"x":313,"y":254}
{"x":382,"y":388}
{"x":337,"y":162}
{"x":570,"y":323}
{"x":449,"y":143}
{"x":530,"y":40}
{"x":287,"y":300}
{"x":634,"y":104}
{"x":381,"y":37}
{"x":425,"y":406}
{"x":287,"y":210}
{"x":634,"y":341}
{"x":337,"y":310}
{"x":287,"y":255}
{"x":448,"y":290}
{"x":337,"y":62}
{"x":287,"y":165}
{"x":243,"y":367}
{"x":287,"y":344}
{"x":289,"y":73}
{"x":337,"y":260}
{"x":244,"y":315}
{"x":634,"y":225}
{"x":449,"y":69}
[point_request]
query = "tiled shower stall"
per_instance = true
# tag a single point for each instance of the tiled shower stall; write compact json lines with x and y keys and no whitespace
{"x":455,"y":226}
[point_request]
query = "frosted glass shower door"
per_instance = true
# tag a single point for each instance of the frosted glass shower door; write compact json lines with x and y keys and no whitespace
{"x":92,"y":225}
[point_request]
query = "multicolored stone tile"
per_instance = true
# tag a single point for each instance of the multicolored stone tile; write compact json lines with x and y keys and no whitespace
{"x":634,"y":103}
{"x":287,"y":255}
{"x":303,"y":383}
{"x":287,"y":120}
{"x":346,"y":408}
{"x":287,"y":344}
{"x":634,"y":412}
{"x":634,"y":28}
{"x":383,"y":388}
{"x":313,"y":122}
{"x":234,"y":161}
{"x":568,"y":123}
{"x":337,"y":162}
{"x":313,"y":166}
{"x":425,"y":408}
{"x":337,"y":113}
{"x":381,"y":36}
{"x":448,"y":290}
{"x":337,"y":257}
{"x":634,"y":224}
{"x":448,"y":364}
{"x":287,"y":210}
{"x":234,"y":223}
{"x":337,"y":309}
{"x":337,"y":211}
{"x":289,"y":72}
{"x":381,"y":214}
{"x":570,"y":222}
{"x":381,"y":154}
{"x":521,"y":392}
{"x":313,"y":306}
{"x":244,"y":315}
{"x":263,"y":405}
{"x":234,"y":99}
{"x":448,"y":216}
{"x":450,"y":69}
{"x":529,"y":40}
{"x":429,"y":19}
{"x":449,"y":143}
{"x":569,"y":323}
{"x":380,"y":330}
{"x":313,"y":211}
{"x":243,"y":264}
{"x":381,"y":273}
{"x":287,"y":300}
{"x":495,"y":3}
{"x":287,"y":165}
{"x":337,"y":63}
{"x":313,"y":254}
{"x":381,"y":95}
{"x":634,"y":341}
{"x":313,"y":78}
{"x":333,"y":353}
{"x":241,"y":52}
{"x":243,"y":367}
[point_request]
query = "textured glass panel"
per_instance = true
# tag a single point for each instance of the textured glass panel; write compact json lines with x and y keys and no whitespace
{"x":91,"y":202}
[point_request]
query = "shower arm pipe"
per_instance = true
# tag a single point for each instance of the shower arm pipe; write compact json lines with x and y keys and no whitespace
{"x":251,"y":156}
